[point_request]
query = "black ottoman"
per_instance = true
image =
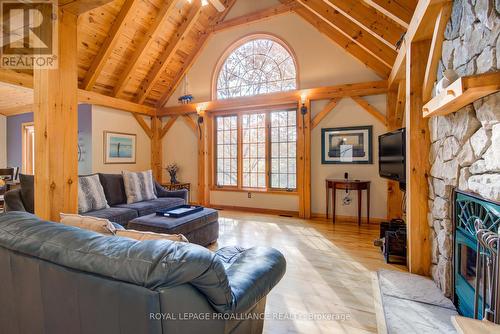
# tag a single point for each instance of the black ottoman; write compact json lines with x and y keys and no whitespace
{"x":200,"y":228}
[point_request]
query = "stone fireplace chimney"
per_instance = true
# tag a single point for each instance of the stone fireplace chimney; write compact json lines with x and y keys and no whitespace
{"x":465,"y":149}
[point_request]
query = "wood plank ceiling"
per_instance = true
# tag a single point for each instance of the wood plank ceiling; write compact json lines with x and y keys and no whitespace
{"x":139,"y":50}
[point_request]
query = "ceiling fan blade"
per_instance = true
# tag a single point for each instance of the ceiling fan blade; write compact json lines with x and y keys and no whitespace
{"x":218,"y":5}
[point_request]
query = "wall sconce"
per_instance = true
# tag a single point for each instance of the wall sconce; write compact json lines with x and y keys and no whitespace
{"x":200,"y":110}
{"x":303,"y":100}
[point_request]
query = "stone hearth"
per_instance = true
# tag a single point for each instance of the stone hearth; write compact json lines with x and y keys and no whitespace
{"x":465,"y":149}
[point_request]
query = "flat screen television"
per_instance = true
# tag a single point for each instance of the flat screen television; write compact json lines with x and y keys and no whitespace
{"x":392,"y":156}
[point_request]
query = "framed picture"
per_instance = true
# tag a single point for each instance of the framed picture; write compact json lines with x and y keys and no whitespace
{"x":349,"y":145}
{"x":119,"y":148}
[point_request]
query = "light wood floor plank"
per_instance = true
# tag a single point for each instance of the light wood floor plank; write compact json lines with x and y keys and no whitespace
{"x":329,"y":269}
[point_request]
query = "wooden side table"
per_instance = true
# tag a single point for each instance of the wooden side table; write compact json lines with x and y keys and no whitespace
{"x":339,"y":184}
{"x":178,"y":186}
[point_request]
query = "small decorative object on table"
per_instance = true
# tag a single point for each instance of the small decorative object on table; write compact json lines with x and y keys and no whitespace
{"x":172,"y":170}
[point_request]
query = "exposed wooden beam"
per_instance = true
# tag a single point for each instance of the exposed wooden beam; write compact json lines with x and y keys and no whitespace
{"x":396,"y":10}
{"x":144,"y":46}
{"x":85,"y":96}
{"x":78,"y":7}
{"x":400,"y":104}
{"x":417,"y":162}
{"x":192,"y":124}
{"x":166,"y":56}
{"x":350,"y":29}
{"x":435,"y":51}
{"x":25,"y":80}
{"x":167,"y":126}
{"x":126,"y":13}
{"x":370,"y":109}
{"x":281,"y":98}
{"x":257,"y":16}
{"x":23,"y":109}
{"x":16,"y":78}
{"x":379,"y":25}
{"x":383,"y":70}
{"x":148,"y":130}
{"x":189,"y":61}
{"x":156,"y":149}
{"x":56,"y":127}
{"x":421,"y":28}
{"x":324,"y":112}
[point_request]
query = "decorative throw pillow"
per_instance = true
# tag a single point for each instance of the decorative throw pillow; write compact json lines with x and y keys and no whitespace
{"x":139,"y":186}
{"x":90,"y":194}
{"x":142,"y":236}
{"x":99,"y":225}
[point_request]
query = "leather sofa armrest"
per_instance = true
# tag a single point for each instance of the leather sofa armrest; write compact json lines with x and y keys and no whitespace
{"x":13,"y":201}
{"x":162,"y":192}
{"x":251,"y":273}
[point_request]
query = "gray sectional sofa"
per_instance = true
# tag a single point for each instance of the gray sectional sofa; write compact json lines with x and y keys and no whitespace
{"x":119,"y":211}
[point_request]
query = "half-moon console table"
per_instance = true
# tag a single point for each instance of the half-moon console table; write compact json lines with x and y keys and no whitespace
{"x":336,"y":184}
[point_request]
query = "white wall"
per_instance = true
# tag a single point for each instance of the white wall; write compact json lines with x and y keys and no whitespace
{"x":180,"y":145}
{"x":320,"y":63}
{"x":108,"y":119}
{"x":348,"y":113}
{"x":3,"y":141}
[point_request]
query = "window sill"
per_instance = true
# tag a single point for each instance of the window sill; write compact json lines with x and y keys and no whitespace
{"x":253,"y":190}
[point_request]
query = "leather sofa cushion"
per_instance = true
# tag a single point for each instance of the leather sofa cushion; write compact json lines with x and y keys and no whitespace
{"x":28,"y":192}
{"x":116,"y":215}
{"x":149,"y":207}
{"x":155,"y":264}
{"x":114,"y":188}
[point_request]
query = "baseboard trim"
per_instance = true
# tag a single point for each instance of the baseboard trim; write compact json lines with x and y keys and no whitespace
{"x":349,"y":219}
{"x":255,"y":210}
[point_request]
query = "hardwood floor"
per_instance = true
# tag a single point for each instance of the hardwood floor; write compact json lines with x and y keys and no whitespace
{"x":329,"y":270}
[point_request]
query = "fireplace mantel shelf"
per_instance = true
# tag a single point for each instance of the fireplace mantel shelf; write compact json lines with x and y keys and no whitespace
{"x":461,"y":93}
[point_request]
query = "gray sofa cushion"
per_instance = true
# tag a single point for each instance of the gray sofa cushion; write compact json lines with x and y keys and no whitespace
{"x":28,"y":192}
{"x":149,"y":207}
{"x":116,"y":215}
{"x":114,"y":189}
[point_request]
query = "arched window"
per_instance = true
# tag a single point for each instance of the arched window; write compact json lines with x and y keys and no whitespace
{"x":259,"y":65}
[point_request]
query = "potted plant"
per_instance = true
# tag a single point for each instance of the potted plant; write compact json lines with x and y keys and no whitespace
{"x":172,"y":170}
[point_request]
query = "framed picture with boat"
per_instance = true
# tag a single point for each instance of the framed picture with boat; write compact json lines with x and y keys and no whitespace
{"x":119,"y":148}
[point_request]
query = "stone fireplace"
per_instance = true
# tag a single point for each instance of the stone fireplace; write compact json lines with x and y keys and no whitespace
{"x":465,"y":149}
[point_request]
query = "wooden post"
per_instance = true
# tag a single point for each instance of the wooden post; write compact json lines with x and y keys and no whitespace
{"x":417,"y":161}
{"x":300,"y":161}
{"x":394,"y":195}
{"x":156,"y":149}
{"x":209,"y":131}
{"x":201,"y":159}
{"x":56,"y":127}
{"x":307,"y":161}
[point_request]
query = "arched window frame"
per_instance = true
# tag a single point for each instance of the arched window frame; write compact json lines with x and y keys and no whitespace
{"x":235,"y":45}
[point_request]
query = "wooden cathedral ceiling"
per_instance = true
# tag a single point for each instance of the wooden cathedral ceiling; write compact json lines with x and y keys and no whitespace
{"x":139,"y":50}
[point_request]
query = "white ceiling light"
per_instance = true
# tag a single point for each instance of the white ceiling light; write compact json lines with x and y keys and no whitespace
{"x":204,"y":2}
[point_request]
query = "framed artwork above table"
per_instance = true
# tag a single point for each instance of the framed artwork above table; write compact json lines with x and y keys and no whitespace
{"x":347,"y":145}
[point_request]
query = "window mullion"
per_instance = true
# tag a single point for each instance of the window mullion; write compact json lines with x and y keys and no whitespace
{"x":240,"y":153}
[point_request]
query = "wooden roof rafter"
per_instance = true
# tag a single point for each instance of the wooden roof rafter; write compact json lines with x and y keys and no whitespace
{"x":109,"y":44}
{"x":400,"y":11}
{"x":353,"y":31}
{"x":382,"y":69}
{"x":194,"y":54}
{"x":142,"y":48}
{"x":160,"y":64}
{"x":380,"y":26}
